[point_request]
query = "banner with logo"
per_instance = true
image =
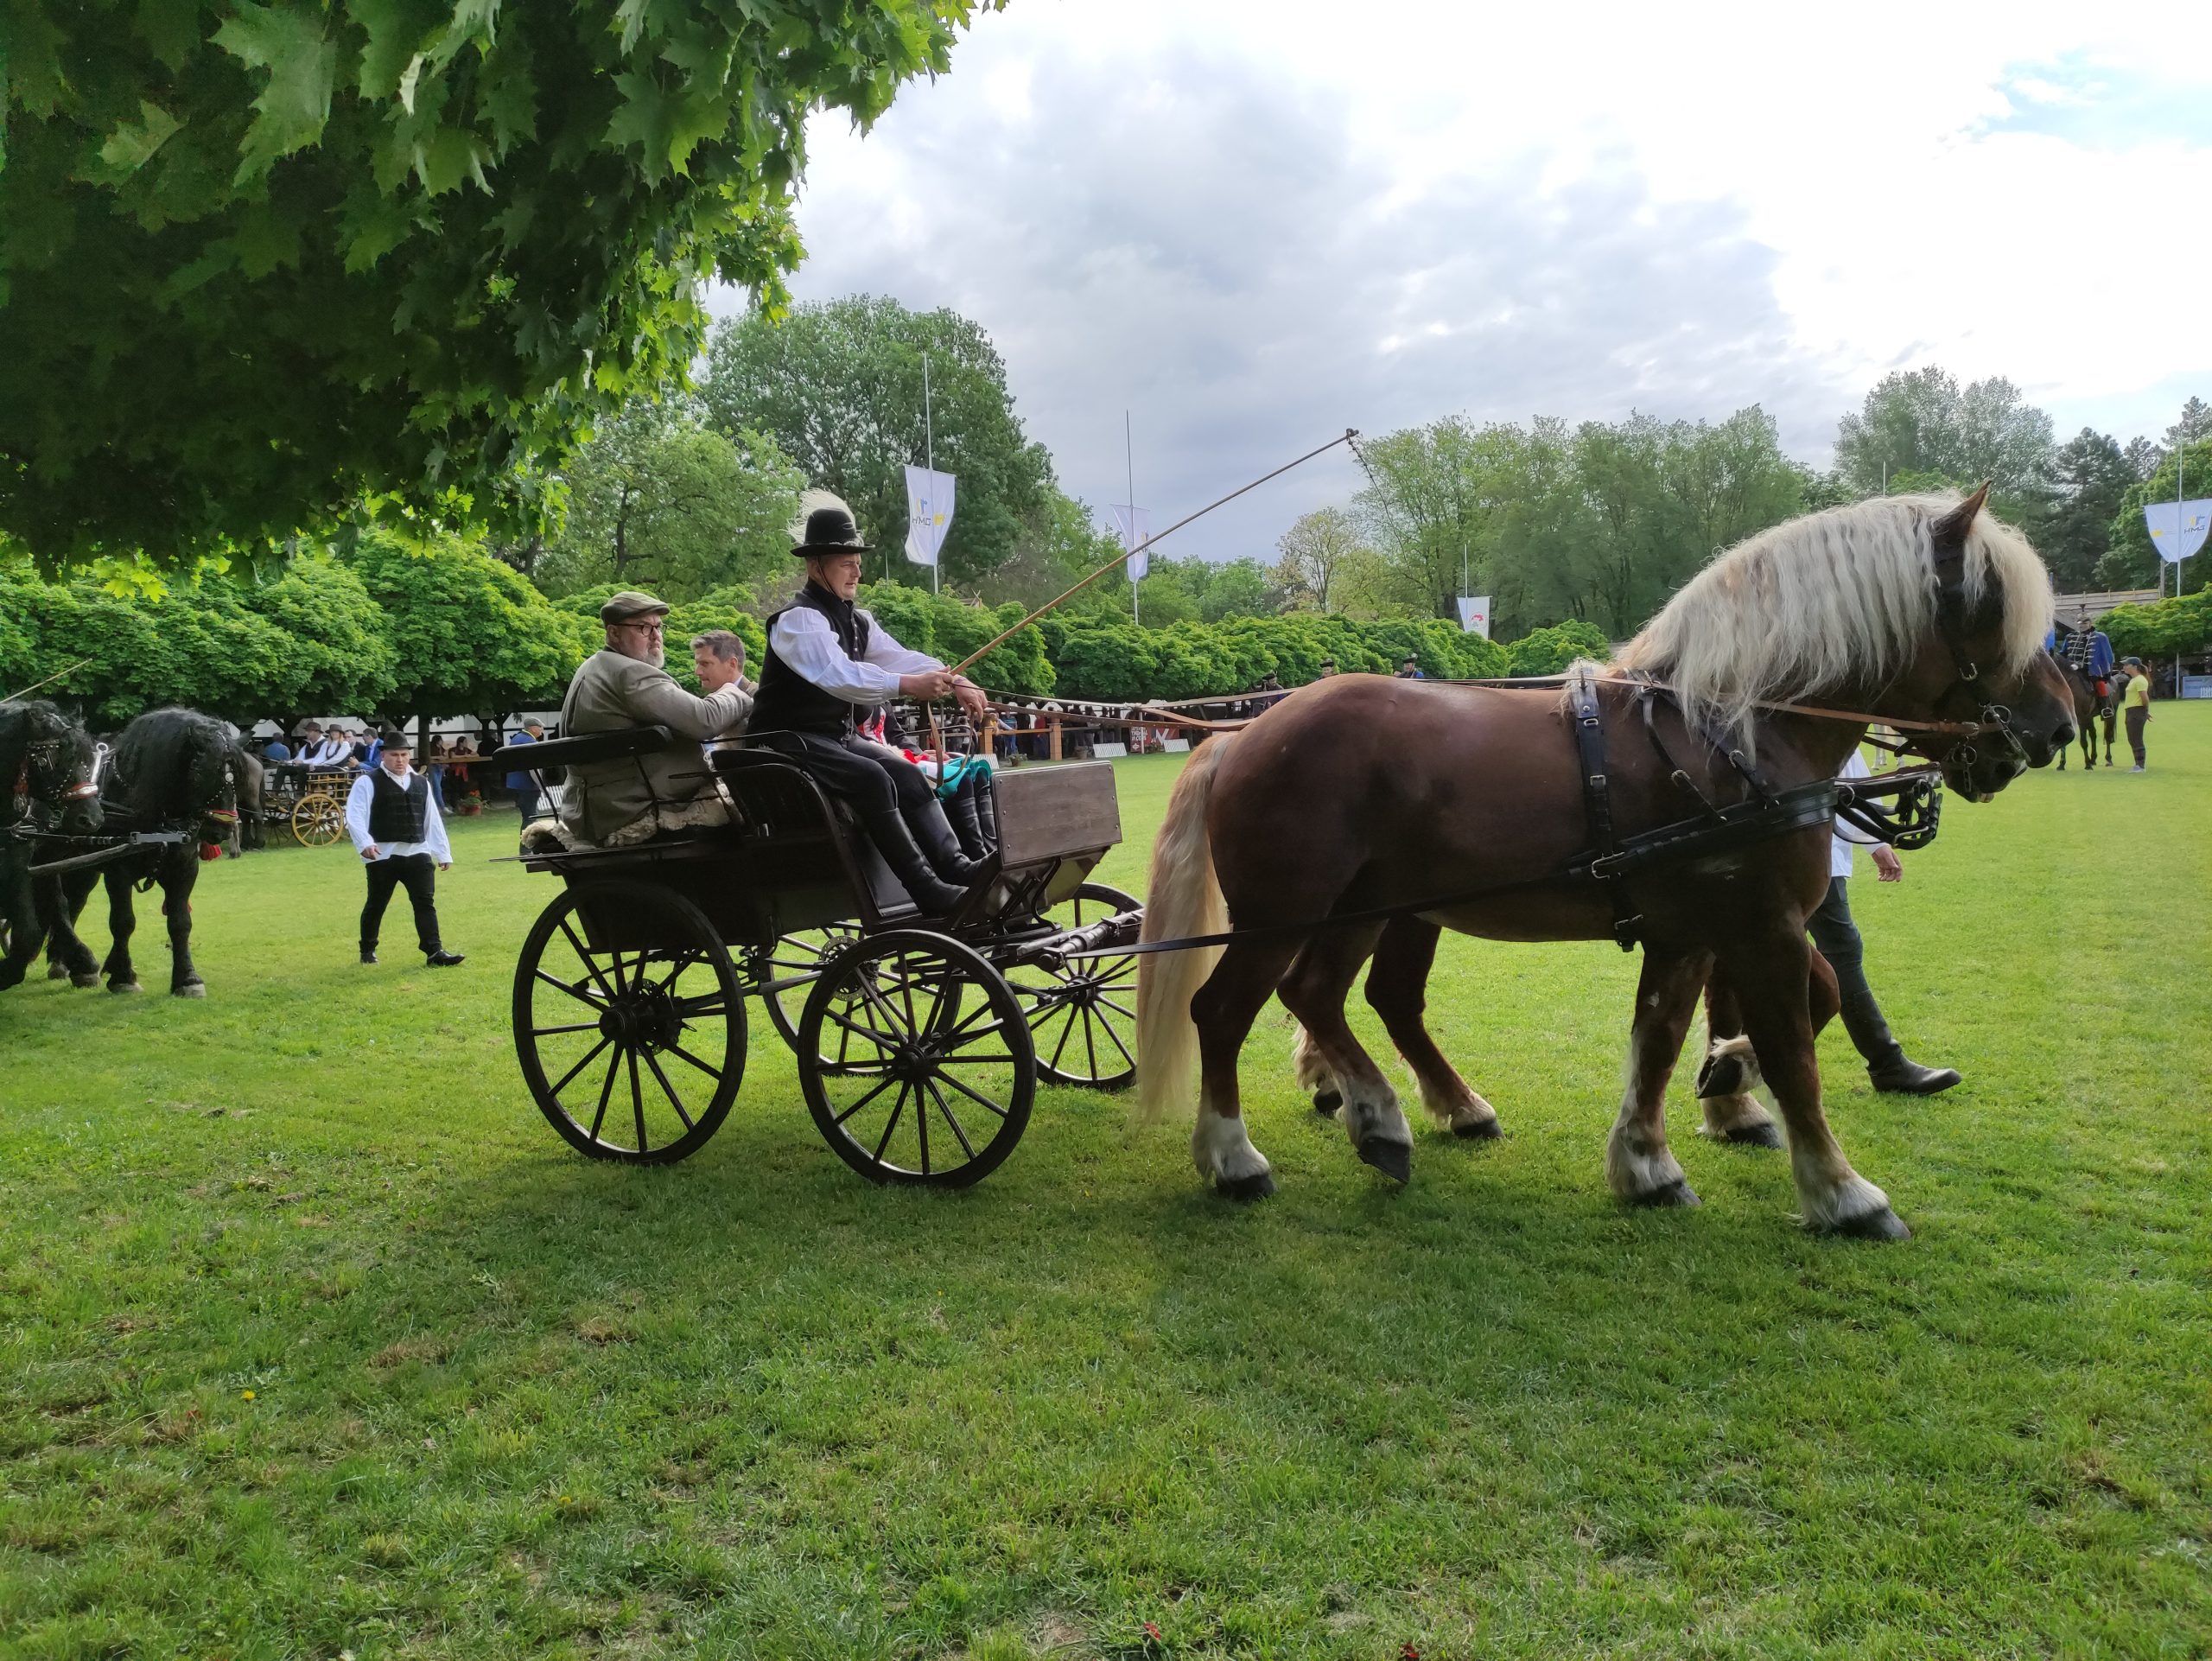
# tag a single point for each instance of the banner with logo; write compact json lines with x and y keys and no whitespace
{"x":1474,"y":613}
{"x":929,"y":513}
{"x":1134,"y":525}
{"x":2177,"y":528}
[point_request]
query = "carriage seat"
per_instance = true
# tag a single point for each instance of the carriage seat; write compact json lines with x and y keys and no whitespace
{"x":581,"y":750}
{"x":664,"y":819}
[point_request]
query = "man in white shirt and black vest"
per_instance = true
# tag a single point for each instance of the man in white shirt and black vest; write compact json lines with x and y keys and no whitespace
{"x":828,"y":664}
{"x":396,"y":826}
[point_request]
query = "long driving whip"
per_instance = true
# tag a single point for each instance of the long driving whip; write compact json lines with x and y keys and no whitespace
{"x":1349,"y":434}
{"x":57,"y":675}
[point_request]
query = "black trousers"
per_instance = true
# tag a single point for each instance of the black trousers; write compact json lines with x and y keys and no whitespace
{"x":873,"y":777}
{"x":419,"y":872}
{"x":2136,"y":715}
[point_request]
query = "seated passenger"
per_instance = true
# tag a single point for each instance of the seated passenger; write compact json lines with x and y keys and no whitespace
{"x":623,"y":686}
{"x":828,"y":664}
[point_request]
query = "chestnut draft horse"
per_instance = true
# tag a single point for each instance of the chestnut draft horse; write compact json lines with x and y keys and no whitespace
{"x":1361,"y":794}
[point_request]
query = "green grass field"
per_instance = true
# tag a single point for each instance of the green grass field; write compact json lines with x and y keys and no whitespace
{"x":318,"y":1342}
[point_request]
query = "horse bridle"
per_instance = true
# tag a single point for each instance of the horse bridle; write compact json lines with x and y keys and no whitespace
{"x":43,"y":757}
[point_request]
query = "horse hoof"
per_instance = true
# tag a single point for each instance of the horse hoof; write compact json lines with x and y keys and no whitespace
{"x":54,"y":972}
{"x":1479,"y":1130}
{"x":189,"y":990}
{"x":1393,"y":1159}
{"x":1677,"y":1193}
{"x":1326,"y":1101}
{"x":1246,"y":1187}
{"x":1721,"y":1075}
{"x":92,"y":979}
{"x":124,"y":986}
{"x":1755,"y":1135}
{"x":1883,"y":1224}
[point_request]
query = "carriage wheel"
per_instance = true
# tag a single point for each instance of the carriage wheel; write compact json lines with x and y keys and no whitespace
{"x":1082,"y":1017}
{"x":318,"y":820}
{"x":632,"y":1054}
{"x":793,"y":955}
{"x":933,"y":1071}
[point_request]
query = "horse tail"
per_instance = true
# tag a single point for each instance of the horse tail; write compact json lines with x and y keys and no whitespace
{"x":1182,"y":897}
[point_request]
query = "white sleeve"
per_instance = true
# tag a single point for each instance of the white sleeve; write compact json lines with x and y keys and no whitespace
{"x":804,"y":640}
{"x":357,"y":811}
{"x":886,"y":653}
{"x":434,"y":830}
{"x":1854,"y":767}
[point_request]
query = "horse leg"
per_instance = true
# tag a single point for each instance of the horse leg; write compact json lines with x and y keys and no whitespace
{"x":180,"y":874}
{"x":1397,"y":990}
{"x":63,"y":898}
{"x":19,"y":911}
{"x":2111,"y":732}
{"x":1772,"y":978}
{"x":1639,"y":1166}
{"x":1314,"y":990}
{"x":1224,"y":1008}
{"x":1731,"y":1072}
{"x":122,"y":923}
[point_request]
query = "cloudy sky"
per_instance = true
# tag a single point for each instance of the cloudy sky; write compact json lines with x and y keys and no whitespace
{"x":1253,"y":223}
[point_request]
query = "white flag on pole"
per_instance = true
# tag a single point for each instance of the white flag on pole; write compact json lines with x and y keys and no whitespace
{"x":1474,"y":613}
{"x":1135,"y":526}
{"x":2177,"y":528}
{"x":929,"y":513}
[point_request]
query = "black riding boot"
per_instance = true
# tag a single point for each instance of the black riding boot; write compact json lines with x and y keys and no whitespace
{"x":964,"y":812}
{"x":1887,"y":1065}
{"x":986,"y":808}
{"x":895,"y":843}
{"x":933,"y":831}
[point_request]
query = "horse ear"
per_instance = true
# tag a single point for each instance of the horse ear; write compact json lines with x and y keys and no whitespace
{"x":1949,"y":532}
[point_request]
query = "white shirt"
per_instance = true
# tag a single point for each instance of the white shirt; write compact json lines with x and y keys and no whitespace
{"x":332,"y":752}
{"x":1848,"y":836}
{"x":357,"y":821}
{"x":806,"y":643}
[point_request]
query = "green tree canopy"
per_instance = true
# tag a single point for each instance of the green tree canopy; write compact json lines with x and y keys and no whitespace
{"x":310,"y":639}
{"x":2093,"y":476}
{"x":838,"y":386}
{"x":258,"y":262}
{"x":1923,"y":421}
{"x":657,"y":501}
{"x":473,"y":637}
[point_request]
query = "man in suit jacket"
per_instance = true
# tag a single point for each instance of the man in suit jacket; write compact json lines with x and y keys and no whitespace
{"x":623,"y":686}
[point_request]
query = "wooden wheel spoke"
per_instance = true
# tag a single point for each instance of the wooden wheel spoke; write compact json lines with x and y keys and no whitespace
{"x":1119,"y":1010}
{"x":575,"y":991}
{"x":1067,"y":1028}
{"x":682,"y":1054}
{"x":637,"y":1100}
{"x":840,"y":1117}
{"x":891,"y":1123}
{"x":573,"y":1027}
{"x":584,"y":957}
{"x":668,"y":1090}
{"x":962,"y":1025}
{"x":880,"y":1038}
{"x":980,"y":1033}
{"x":1107,"y":1027}
{"x":922,"y":1127}
{"x":1090,"y":1044}
{"x":603,"y":1042}
{"x":945,"y":1108}
{"x":605,"y":1093}
{"x":980,"y":1101}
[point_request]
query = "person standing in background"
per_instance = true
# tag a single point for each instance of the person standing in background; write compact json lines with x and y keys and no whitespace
{"x":396,"y":830}
{"x":2135,"y":702}
{"x":523,"y":784}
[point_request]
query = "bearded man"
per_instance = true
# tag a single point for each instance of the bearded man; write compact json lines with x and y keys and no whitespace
{"x":623,"y":686}
{"x":828,"y":664}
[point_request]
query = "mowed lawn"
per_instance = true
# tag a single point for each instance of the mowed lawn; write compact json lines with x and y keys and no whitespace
{"x":317,"y":1341}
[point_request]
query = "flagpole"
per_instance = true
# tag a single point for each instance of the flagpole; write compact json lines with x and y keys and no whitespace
{"x":1129,"y":456}
{"x":928,"y":442}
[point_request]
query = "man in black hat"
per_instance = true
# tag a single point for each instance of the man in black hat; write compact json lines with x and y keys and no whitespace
{"x":829,"y":663}
{"x":395,"y":827}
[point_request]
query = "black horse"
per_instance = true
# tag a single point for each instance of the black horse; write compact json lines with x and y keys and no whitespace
{"x":50,"y":765}
{"x":173,"y":770}
{"x":2089,"y":706}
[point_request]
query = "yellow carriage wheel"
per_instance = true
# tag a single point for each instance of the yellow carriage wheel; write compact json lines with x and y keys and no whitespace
{"x":318,"y":820}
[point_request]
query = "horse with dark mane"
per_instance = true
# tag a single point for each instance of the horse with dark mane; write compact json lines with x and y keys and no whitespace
{"x":49,"y":762}
{"x":173,"y":770}
{"x":1466,"y":807}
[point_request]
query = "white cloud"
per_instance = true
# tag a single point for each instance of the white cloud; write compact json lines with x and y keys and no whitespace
{"x":1252,"y":221}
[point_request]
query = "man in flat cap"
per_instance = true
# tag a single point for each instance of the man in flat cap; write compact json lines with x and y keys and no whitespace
{"x":623,"y":686}
{"x":402,"y":841}
{"x":828,"y":664}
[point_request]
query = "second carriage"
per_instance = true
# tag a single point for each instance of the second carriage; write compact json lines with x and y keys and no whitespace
{"x":919,"y":1042}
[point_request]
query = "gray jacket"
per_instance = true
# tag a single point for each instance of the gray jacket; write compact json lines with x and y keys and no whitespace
{"x":611,"y":693}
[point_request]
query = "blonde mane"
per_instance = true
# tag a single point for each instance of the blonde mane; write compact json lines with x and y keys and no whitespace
{"x":1832,"y":600}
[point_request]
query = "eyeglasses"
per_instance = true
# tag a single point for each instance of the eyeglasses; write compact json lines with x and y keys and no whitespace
{"x":643,"y":628}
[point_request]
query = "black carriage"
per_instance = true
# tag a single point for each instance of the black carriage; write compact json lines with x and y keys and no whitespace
{"x":920,"y":1043}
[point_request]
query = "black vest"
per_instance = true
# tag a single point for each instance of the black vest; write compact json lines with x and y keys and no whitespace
{"x":788,"y":702}
{"x":397,"y":814}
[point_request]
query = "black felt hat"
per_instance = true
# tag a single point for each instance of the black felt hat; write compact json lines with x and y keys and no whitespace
{"x":829,"y":526}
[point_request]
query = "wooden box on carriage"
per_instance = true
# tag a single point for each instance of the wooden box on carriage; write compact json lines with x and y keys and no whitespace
{"x":1056,"y":813}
